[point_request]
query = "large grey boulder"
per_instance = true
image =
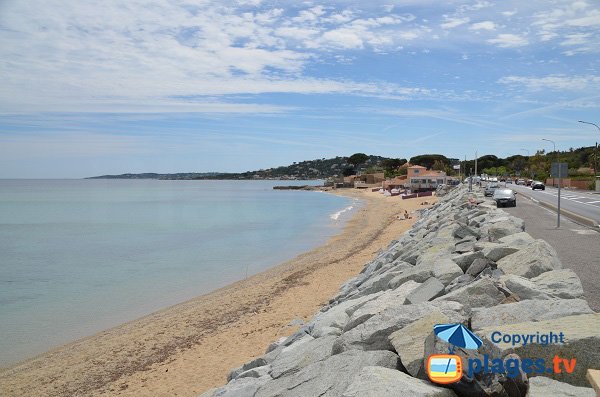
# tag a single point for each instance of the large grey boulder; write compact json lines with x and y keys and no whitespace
{"x":459,"y":282}
{"x":380,"y":282}
{"x":389,"y":298}
{"x":531,"y":261}
{"x":418,"y":274}
{"x":256,"y":372}
{"x":517,"y":240}
{"x":373,"y":333}
{"x":337,"y":316}
{"x":478,"y":266}
{"x":293,"y":359}
{"x":505,"y":228}
{"x":329,"y":377}
{"x":528,"y":310}
{"x":523,"y":287}
{"x":465,"y":260}
{"x":480,"y":293}
{"x":463,"y":231}
{"x":445,"y":270}
{"x":560,"y":283}
{"x":243,"y":387}
{"x":385,"y":382}
{"x":540,"y":386}
{"x":409,"y":341}
{"x":430,"y":289}
{"x":581,"y":337}
{"x":498,"y":251}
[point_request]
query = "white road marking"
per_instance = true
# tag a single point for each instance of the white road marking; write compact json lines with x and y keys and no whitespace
{"x":584,"y":231}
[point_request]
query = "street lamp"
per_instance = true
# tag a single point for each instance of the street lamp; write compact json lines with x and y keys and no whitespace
{"x":558,"y":166}
{"x":596,"y":154}
{"x":587,"y":122}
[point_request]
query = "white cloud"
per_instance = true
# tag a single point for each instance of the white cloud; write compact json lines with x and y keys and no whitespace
{"x":576,"y":39}
{"x":509,"y":40}
{"x":553,"y":82}
{"x":343,"y":38}
{"x":454,"y":22}
{"x":593,"y":19}
{"x":485,"y":25}
{"x":509,"y":13}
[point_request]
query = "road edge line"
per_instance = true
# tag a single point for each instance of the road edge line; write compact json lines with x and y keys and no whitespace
{"x":571,"y":215}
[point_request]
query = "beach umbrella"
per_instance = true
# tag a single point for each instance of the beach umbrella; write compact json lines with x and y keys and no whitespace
{"x":457,"y":335}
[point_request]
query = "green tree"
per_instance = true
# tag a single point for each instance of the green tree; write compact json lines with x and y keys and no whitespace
{"x":348,"y":171}
{"x":357,"y":159}
{"x":438,"y":165}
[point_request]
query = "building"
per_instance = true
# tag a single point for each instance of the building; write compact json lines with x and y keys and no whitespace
{"x":422,"y":179}
{"x":364,"y":180}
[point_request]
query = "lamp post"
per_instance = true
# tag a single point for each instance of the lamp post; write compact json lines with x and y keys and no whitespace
{"x":558,"y":165}
{"x":596,"y":153}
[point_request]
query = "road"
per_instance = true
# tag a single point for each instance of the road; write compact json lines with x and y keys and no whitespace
{"x":581,"y":203}
{"x":577,"y":246}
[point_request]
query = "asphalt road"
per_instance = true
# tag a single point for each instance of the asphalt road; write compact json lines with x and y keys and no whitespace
{"x":577,"y":246}
{"x":581,"y":203}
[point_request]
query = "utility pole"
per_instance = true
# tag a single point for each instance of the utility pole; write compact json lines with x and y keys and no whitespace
{"x":475,"y":163}
{"x":596,"y":180}
{"x":559,"y":176}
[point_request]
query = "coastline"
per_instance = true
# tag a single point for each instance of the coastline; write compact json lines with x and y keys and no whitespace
{"x":190,"y":347}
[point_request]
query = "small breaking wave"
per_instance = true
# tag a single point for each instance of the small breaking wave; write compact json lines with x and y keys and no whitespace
{"x":337,"y":215}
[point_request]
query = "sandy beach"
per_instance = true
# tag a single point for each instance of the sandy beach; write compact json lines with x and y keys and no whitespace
{"x":188,"y":348}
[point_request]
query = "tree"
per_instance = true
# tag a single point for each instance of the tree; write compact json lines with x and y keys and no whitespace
{"x":392,"y":164}
{"x":427,"y":160}
{"x":438,"y":165}
{"x":348,"y":171}
{"x":357,"y":159}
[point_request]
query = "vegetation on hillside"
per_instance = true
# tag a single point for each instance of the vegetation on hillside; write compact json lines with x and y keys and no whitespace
{"x":581,"y":163}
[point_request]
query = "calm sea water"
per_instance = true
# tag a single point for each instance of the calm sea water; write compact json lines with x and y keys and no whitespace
{"x":79,"y":256}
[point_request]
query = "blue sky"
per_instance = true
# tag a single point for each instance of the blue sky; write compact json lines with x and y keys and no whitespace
{"x":173,"y":86}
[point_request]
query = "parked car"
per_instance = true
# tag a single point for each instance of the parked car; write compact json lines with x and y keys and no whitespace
{"x":538,"y":185}
{"x":505,"y":197}
{"x":509,"y":181}
{"x":529,"y":182}
{"x":520,"y":181}
{"x":489,"y":189}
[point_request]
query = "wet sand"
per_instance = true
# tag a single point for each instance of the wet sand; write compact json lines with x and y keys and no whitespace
{"x":189,"y":348}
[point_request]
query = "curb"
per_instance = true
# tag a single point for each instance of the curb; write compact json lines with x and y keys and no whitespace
{"x":571,"y":215}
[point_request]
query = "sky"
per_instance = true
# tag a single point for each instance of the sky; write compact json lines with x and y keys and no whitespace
{"x":91,"y":88}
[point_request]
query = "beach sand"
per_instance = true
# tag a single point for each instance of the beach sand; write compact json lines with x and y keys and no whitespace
{"x":189,"y":348}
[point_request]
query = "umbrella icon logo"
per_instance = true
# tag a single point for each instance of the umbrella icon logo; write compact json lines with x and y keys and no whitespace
{"x":447,"y":368}
{"x":458,"y":336}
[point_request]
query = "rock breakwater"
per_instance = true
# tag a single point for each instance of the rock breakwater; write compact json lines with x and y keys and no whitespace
{"x":464,"y":261}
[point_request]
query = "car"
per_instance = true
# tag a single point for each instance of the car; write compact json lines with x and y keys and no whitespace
{"x":505,"y":198}
{"x":529,"y":182}
{"x":538,"y":185}
{"x":509,"y":181}
{"x":489,"y":189}
{"x":520,"y":181}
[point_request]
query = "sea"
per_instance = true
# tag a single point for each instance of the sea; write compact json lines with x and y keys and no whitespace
{"x":81,"y":256}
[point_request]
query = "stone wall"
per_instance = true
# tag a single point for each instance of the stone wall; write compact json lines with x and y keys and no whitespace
{"x":464,"y":261}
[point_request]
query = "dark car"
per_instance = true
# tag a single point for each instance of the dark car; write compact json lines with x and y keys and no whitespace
{"x":489,"y":189}
{"x":505,"y":198}
{"x":538,"y":185}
